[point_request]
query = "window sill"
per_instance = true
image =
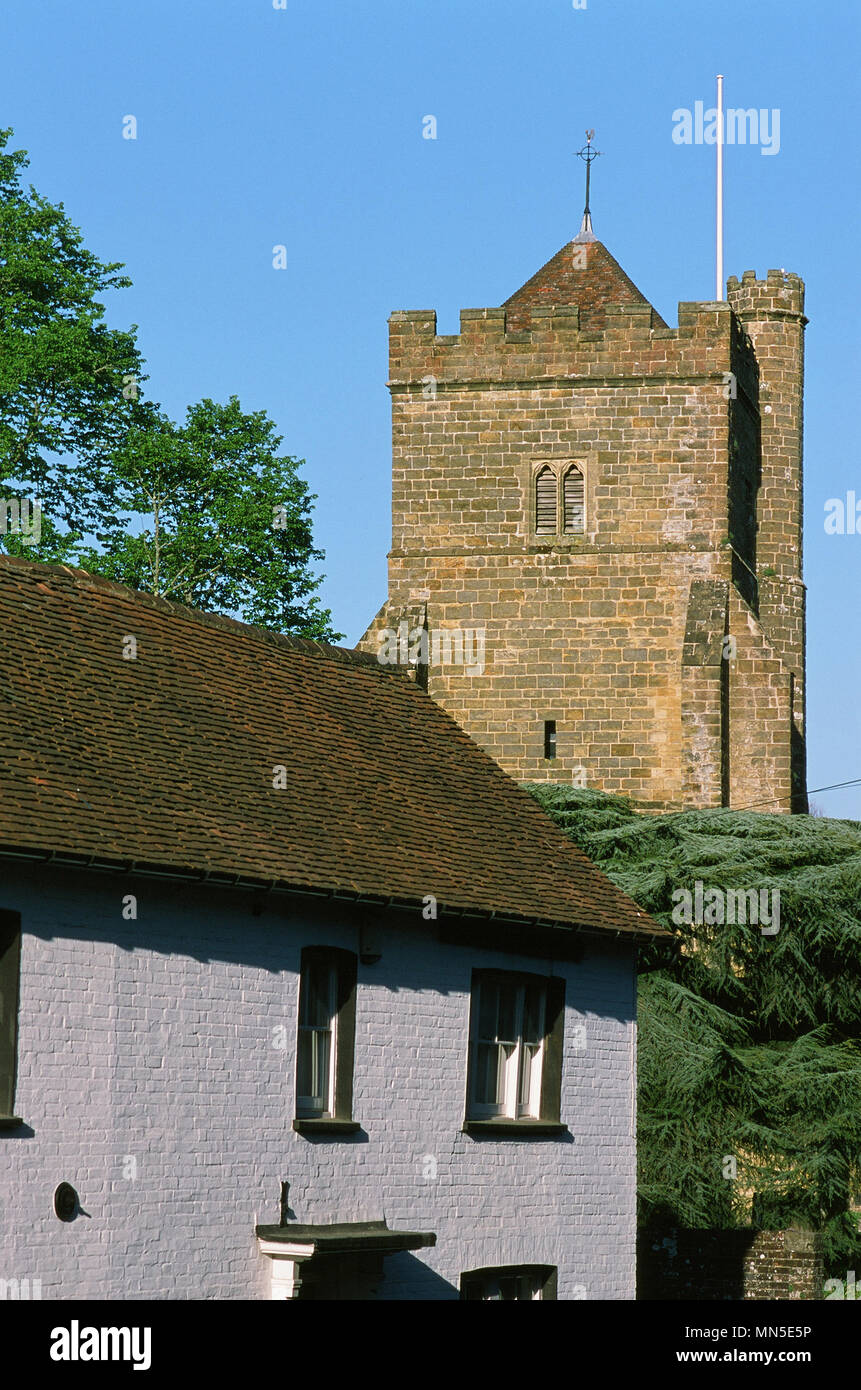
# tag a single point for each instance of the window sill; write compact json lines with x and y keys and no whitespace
{"x":515,"y":1128}
{"x":10,"y":1122}
{"x":320,"y":1126}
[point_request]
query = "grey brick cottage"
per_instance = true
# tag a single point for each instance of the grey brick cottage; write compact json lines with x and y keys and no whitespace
{"x":300,"y":995}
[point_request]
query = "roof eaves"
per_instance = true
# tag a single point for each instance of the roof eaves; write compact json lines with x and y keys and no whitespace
{"x":219,"y":878}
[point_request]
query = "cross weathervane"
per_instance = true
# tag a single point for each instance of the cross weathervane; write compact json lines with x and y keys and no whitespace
{"x":587,"y":154}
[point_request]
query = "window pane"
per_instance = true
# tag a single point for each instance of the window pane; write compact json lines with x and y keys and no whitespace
{"x":517,"y":1287}
{"x":316,"y":995}
{"x":321,"y":1051}
{"x":314,"y":1051}
{"x":533,"y":1013}
{"x":304,"y":1064}
{"x":487,"y":1010}
{"x":507,"y":1013}
{"x":527,"y":1091}
{"x":487,"y":1088}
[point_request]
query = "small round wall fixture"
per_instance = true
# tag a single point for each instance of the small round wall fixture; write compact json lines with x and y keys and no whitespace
{"x":66,"y":1202}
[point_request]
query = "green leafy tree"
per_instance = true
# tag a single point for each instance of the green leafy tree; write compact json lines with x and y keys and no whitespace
{"x":749,"y":1044}
{"x":68,"y":383}
{"x":208,"y":512}
{"x":223,"y":519}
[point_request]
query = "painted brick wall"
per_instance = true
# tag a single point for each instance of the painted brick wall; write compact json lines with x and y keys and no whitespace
{"x":151,"y":1079}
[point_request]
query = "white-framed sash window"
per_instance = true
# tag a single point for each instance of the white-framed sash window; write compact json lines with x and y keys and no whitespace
{"x":507,"y":1046}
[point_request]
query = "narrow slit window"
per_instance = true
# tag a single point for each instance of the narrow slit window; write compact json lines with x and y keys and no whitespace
{"x":545,"y":503}
{"x":550,"y":738}
{"x":325,"y":1043}
{"x":316,"y":1049}
{"x":573,"y":495}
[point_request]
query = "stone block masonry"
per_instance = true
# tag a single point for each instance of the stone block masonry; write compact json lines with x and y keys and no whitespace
{"x":745,"y":1264}
{"x":689,"y":442}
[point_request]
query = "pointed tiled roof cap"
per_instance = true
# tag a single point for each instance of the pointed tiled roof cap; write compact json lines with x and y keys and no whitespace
{"x":583,"y":273}
{"x":166,"y":762}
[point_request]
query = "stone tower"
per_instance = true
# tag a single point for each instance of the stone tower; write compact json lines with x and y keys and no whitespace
{"x":596,"y":552}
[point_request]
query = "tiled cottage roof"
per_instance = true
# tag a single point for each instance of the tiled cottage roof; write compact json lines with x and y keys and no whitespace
{"x":582,"y":274}
{"x":167,"y":761}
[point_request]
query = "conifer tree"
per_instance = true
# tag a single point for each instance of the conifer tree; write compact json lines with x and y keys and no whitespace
{"x":749,"y":1044}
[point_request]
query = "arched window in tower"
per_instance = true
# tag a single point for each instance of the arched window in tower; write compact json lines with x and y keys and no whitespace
{"x":573,"y":497}
{"x":545,"y":503}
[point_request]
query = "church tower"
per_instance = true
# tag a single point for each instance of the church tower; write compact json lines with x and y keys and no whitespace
{"x":596,"y":550}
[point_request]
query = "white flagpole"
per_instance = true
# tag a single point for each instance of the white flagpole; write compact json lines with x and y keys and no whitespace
{"x":719,"y":229}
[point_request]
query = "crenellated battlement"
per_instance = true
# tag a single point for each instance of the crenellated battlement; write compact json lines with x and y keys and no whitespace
{"x":781,"y":293}
{"x":632,"y":342}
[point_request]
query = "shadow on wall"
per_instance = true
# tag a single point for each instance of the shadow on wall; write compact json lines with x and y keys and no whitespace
{"x":232,"y":927}
{"x":401,"y":1277}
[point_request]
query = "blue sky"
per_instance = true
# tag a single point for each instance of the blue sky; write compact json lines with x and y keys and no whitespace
{"x":302,"y":126}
